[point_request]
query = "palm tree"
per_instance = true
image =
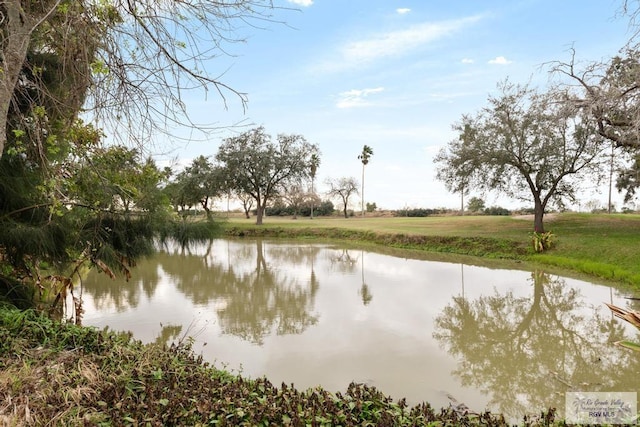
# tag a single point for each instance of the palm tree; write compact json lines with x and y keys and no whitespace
{"x":314,"y":164}
{"x":367,"y":152}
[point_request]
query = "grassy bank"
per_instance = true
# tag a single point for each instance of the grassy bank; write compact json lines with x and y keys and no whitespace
{"x":61,"y":374}
{"x":598,"y":245}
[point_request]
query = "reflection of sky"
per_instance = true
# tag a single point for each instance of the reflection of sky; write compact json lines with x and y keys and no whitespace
{"x":387,"y":343}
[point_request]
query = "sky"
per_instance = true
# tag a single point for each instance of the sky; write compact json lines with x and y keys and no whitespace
{"x":395,"y":75}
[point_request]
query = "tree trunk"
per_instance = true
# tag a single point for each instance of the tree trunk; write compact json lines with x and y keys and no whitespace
{"x":362,"y":201}
{"x":312,"y":198}
{"x":538,"y":216}
{"x":15,"y":43}
{"x":205,"y":206}
{"x":17,"y":28}
{"x":346,"y":215}
{"x":247,"y":208}
{"x":259,"y":213}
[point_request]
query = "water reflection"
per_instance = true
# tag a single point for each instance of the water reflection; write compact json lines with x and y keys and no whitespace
{"x":121,"y":295}
{"x":364,"y":292}
{"x":253,"y":297}
{"x":526,"y":352}
{"x":505,"y":340}
{"x":168,"y":334}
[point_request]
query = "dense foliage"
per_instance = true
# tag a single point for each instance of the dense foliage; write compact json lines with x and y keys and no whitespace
{"x":325,"y":208}
{"x":417,"y":212}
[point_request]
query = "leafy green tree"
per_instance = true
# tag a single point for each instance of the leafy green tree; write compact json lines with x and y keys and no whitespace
{"x":151,"y":182}
{"x":44,"y":80}
{"x":177,"y":197}
{"x":343,"y":188}
{"x":475,"y":204}
{"x":118,"y":171}
{"x":77,"y":211}
{"x":259,"y":167}
{"x":364,"y":157}
{"x":200,"y":183}
{"x":325,"y":208}
{"x":526,"y":145}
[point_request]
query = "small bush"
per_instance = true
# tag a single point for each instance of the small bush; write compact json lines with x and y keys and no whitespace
{"x":497,"y":210}
{"x":542,"y":241}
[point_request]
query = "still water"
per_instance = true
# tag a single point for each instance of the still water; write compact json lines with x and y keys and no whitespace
{"x":509,"y":341}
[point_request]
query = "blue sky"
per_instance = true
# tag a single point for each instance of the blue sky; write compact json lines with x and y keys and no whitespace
{"x":395,"y":75}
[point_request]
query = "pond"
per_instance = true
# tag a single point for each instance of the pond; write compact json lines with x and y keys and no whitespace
{"x":510,"y":341}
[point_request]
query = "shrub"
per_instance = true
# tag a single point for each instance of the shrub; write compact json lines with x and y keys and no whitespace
{"x":542,"y":241}
{"x":497,"y":210}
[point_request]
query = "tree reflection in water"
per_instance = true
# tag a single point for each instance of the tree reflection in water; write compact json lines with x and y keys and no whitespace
{"x":253,"y":298}
{"x":341,"y":260}
{"x":364,"y":292}
{"x":526,"y":352}
{"x":168,"y":334}
{"x":120,"y":293}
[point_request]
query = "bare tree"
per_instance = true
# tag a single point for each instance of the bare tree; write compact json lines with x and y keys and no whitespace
{"x":247,"y":203}
{"x":608,"y":92}
{"x":162,"y":50}
{"x":343,"y":188}
{"x":296,"y":198}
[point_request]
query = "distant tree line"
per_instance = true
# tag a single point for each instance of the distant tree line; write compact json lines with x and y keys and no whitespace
{"x":324,"y":208}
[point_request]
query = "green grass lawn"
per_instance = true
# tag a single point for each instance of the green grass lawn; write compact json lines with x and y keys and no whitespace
{"x":599,"y":245}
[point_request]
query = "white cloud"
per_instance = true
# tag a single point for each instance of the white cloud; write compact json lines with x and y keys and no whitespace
{"x":467,"y":61}
{"x":395,"y":43}
{"x":403,"y":10}
{"x":303,"y":3}
{"x":500,"y":60}
{"x":356,"y":97}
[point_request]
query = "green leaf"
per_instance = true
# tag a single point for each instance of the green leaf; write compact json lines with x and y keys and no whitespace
{"x":629,"y":344}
